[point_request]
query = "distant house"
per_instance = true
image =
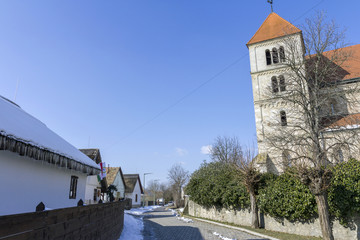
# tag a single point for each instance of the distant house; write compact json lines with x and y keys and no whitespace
{"x":37,"y":164}
{"x":115,"y":177}
{"x":95,"y":189}
{"x":133,"y":188}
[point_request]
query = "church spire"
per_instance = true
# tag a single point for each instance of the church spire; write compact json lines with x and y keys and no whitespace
{"x":274,"y":26}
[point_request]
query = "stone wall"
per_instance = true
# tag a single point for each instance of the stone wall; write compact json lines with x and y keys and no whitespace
{"x":243,"y":217}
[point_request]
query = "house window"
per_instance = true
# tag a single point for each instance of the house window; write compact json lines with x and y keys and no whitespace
{"x":136,"y":198}
{"x":283,"y":118}
{"x":282,"y":83}
{"x":95,"y":194}
{"x":73,"y":187}
{"x":282,"y":54}
{"x":268,"y":57}
{"x":274,"y":84}
{"x":275,"y":55}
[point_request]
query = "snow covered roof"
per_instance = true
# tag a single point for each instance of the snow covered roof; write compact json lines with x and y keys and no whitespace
{"x":24,"y":134}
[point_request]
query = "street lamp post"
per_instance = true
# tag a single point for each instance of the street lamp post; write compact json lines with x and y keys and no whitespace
{"x":155,"y":181}
{"x":144,"y":189}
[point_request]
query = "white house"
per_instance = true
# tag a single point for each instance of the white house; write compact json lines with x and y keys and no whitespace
{"x":114,"y":176}
{"x":37,"y":164}
{"x":133,"y":188}
{"x":95,"y":188}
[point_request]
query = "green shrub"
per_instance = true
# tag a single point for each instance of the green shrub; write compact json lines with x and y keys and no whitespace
{"x":344,"y":193}
{"x":216,"y":184}
{"x":285,"y":196}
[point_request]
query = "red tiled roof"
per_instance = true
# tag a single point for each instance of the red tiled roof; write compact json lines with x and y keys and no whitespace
{"x":348,"y":120}
{"x":274,"y":26}
{"x":352,"y":64}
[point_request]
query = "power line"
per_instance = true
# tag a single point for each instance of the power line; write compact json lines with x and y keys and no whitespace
{"x":181,"y":99}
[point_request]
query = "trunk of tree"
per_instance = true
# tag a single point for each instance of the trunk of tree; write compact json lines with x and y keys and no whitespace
{"x":323,"y":209}
{"x":254,"y":211}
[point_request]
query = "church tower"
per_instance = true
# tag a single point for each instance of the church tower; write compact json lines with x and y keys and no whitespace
{"x":269,"y":72}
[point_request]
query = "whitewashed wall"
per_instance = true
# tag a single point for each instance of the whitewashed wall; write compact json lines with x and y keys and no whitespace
{"x":120,"y":185}
{"x":132,"y":195}
{"x":26,"y":182}
{"x":91,"y":184}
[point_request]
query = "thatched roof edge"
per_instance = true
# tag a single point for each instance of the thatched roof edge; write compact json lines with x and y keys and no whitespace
{"x":43,"y":154}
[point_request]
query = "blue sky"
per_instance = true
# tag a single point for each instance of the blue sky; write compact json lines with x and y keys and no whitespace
{"x":147,"y":82}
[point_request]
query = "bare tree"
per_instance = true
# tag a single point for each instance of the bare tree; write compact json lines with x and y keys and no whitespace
{"x":226,"y":150}
{"x":178,"y":177}
{"x":154,"y":188}
{"x":229,"y":151}
{"x":308,"y":133}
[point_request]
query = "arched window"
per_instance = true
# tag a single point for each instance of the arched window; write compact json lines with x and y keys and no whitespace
{"x":333,"y":107}
{"x":268,"y":57}
{"x":286,"y":159}
{"x":275,"y":55}
{"x":274,"y":84}
{"x":339,"y":156}
{"x":282,"y":83}
{"x":282,"y":54}
{"x":283,"y":118}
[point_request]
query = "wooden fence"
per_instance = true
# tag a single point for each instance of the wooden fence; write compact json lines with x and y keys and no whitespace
{"x":92,"y":222}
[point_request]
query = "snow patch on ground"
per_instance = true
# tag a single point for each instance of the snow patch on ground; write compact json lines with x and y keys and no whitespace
{"x":141,"y":210}
{"x":133,"y":227}
{"x":222,"y":237}
{"x":187,"y":220}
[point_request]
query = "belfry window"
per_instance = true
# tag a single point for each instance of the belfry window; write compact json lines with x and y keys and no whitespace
{"x":282,"y":54}
{"x":282,"y":83}
{"x":268,"y":57}
{"x":274,"y":85}
{"x":283,"y":118}
{"x":275,"y":55}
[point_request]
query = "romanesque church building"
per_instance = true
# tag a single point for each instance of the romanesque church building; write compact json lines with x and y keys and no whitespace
{"x":275,"y":50}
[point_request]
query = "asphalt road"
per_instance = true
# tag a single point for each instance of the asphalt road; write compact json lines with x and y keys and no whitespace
{"x":163,"y":225}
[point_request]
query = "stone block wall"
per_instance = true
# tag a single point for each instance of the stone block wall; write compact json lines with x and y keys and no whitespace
{"x":243,"y":217}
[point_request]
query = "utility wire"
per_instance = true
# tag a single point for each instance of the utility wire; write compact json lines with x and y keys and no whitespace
{"x":200,"y":86}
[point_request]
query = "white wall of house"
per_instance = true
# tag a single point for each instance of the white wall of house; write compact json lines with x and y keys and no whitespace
{"x":120,"y":185}
{"x":92,"y":183}
{"x":27,"y":182}
{"x":136,"y":201}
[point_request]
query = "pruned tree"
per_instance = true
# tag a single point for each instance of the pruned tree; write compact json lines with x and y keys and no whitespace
{"x":229,"y":151}
{"x":313,"y":128}
{"x":178,"y":177}
{"x":110,"y":192}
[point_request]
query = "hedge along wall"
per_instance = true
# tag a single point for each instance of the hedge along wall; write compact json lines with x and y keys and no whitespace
{"x":288,"y":205}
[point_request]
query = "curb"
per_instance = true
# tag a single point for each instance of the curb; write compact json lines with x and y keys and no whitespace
{"x":236,"y":228}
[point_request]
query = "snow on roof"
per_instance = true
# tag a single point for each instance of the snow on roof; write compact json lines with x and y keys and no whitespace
{"x":17,"y":124}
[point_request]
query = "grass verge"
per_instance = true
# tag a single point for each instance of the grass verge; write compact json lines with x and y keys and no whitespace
{"x":279,"y":235}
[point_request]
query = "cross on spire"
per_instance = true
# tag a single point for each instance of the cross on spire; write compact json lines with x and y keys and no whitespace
{"x":271,"y":3}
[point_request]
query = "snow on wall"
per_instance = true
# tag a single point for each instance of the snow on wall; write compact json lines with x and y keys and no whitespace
{"x":27,"y":182}
{"x":17,"y":124}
